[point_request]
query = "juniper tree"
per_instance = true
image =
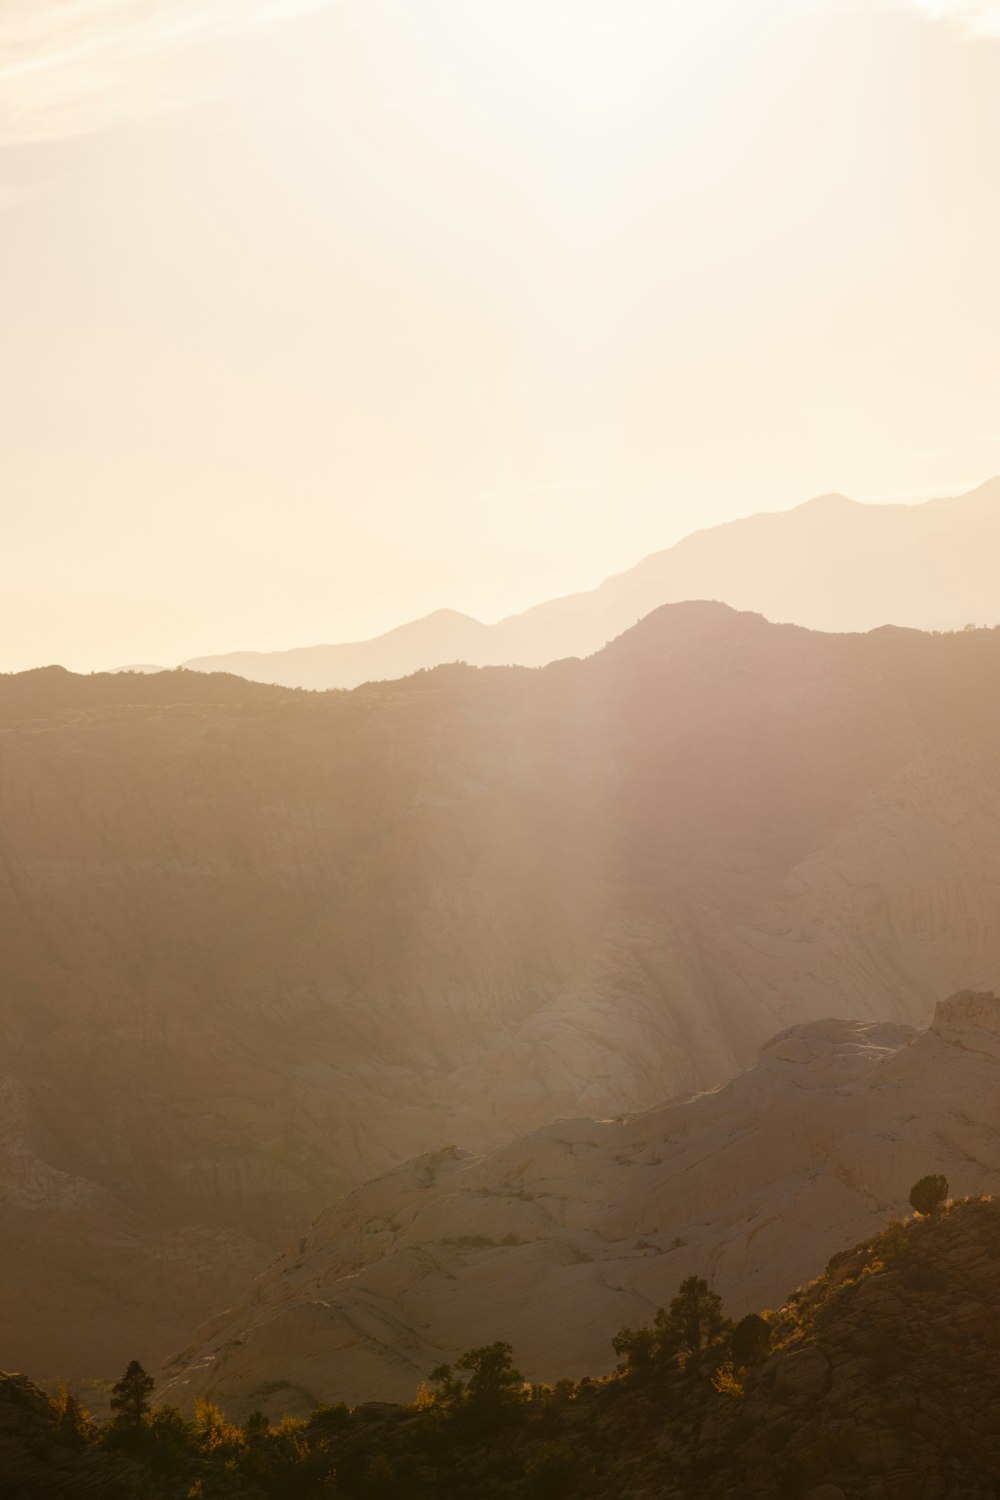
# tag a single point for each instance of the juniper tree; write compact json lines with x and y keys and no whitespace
{"x":927,"y":1195}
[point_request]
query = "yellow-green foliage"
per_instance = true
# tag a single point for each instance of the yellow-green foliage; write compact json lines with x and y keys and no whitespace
{"x":214,"y":1433}
{"x":73,"y":1424}
{"x":729,"y":1380}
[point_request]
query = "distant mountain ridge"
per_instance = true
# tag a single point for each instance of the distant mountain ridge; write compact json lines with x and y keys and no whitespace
{"x":830,"y":564}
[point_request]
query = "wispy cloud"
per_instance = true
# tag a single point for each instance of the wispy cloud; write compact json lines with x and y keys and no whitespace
{"x":72,"y":66}
{"x":980,"y":17}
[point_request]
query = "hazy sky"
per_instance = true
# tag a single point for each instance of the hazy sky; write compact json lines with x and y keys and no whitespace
{"x":319,"y":314}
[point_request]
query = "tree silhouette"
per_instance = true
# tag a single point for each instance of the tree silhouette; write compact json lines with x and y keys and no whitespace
{"x":636,"y":1350}
{"x":493,"y":1393}
{"x":130,"y":1397}
{"x":493,"y":1382}
{"x":73,"y":1426}
{"x":927,"y":1195}
{"x":751,"y":1340}
{"x":694,"y":1321}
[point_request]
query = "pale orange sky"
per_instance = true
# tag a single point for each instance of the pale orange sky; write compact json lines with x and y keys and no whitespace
{"x":318,"y":316}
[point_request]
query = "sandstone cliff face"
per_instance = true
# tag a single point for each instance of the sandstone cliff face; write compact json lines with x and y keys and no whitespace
{"x":261,"y":946}
{"x":560,"y":1238}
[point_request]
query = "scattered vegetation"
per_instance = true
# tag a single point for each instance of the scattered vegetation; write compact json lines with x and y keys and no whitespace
{"x":698,"y":1407}
{"x":691,"y":1327}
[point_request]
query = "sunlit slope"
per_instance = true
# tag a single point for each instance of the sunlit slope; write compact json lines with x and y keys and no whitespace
{"x":878,"y":1378}
{"x":589,"y":1225}
{"x":830,"y":564}
{"x":262,"y":945}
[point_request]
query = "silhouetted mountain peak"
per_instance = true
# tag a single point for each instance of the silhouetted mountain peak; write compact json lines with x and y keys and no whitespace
{"x":445,"y":619}
{"x":692,"y":622}
{"x":830,"y":504}
{"x":830,"y":564}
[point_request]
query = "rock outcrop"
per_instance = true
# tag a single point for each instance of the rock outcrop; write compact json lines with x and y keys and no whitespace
{"x":36,"y":1465}
{"x":261,"y":946}
{"x":558,"y":1239}
{"x":882,"y":1381}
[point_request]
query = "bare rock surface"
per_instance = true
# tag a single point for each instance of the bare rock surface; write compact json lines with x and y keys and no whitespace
{"x":878,"y":1383}
{"x":261,"y":946}
{"x":567,"y":1234}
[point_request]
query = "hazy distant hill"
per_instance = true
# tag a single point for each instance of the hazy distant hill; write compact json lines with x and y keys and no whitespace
{"x":587,"y":1225}
{"x":261,"y":945}
{"x":830,"y":564}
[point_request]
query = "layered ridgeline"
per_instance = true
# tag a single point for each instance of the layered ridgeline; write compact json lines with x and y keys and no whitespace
{"x":830,"y":564}
{"x":585,"y":1225}
{"x":877,"y":1381}
{"x":261,"y":946}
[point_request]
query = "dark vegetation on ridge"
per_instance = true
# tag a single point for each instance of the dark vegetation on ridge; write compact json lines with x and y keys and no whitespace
{"x":874,"y":1382}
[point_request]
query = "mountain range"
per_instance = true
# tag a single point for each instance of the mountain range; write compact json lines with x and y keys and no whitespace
{"x":830,"y":564}
{"x":264,"y":945}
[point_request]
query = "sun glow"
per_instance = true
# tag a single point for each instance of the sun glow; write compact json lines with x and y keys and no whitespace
{"x":483,"y":299}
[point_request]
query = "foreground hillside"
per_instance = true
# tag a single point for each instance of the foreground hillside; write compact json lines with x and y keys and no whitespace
{"x":874,"y":1382}
{"x":261,"y":946}
{"x":830,"y":564}
{"x":563,"y":1234}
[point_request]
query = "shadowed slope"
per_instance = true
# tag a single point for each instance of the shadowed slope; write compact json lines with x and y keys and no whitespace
{"x":878,"y":1384}
{"x":264,"y":945}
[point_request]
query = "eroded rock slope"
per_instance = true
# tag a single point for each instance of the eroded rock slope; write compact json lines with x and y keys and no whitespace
{"x":261,"y":946}
{"x":562,"y":1237}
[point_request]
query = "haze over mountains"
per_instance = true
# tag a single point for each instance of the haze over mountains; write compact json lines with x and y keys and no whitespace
{"x":578,"y":1228}
{"x":269,"y":945}
{"x":830,"y":564}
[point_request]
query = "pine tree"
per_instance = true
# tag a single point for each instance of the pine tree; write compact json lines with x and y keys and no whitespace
{"x":694,"y":1321}
{"x":130,"y":1397}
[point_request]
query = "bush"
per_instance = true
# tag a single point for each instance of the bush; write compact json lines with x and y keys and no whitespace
{"x":635,"y":1348}
{"x":171,"y":1441}
{"x":927,"y":1195}
{"x":553,"y":1472}
{"x":751,"y":1340}
{"x":72,"y":1425}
